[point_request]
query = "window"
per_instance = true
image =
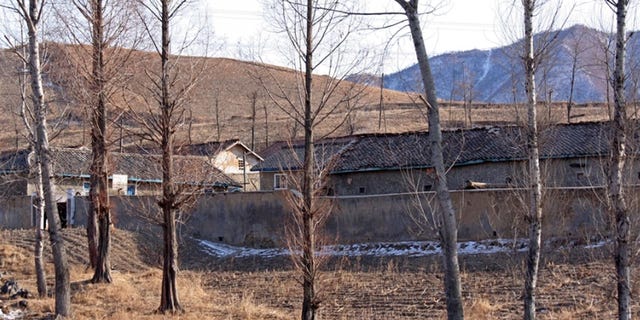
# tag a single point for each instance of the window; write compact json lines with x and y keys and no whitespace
{"x":280,"y":181}
{"x":426,"y":187}
{"x":131,"y":190}
{"x":362,"y":190}
{"x":578,"y":165}
{"x":240,"y":163}
{"x":86,"y":187}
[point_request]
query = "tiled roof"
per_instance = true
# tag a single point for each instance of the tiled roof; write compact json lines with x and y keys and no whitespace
{"x":76,"y":163}
{"x":461,"y":147}
{"x":290,"y":155}
{"x":14,"y":161}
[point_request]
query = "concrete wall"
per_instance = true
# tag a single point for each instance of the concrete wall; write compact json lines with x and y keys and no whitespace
{"x":127,"y":212}
{"x":247,"y":218}
{"x":258,"y":219}
{"x":15,"y":212}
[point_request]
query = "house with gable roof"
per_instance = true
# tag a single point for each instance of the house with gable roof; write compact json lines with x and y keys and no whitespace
{"x":572,"y":155}
{"x":232,"y":157}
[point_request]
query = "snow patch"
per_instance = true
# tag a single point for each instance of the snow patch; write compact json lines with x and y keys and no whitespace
{"x":376,"y":249}
{"x":12,"y":315}
{"x":486,"y":67}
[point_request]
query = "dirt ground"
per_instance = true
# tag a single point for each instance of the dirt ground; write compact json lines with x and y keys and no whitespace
{"x":574,"y":284}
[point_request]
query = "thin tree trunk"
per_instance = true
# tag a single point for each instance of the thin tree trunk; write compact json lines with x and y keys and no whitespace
{"x":266,"y":125}
{"x":99,"y":178}
{"x":254,"y":102}
{"x":62,"y":285}
{"x":217,"y":119}
{"x":615,"y":179}
{"x":448,"y":231}
{"x":309,"y":303}
{"x":38,"y":205}
{"x":39,"y":262}
{"x":169,"y":301}
{"x":535,"y":184}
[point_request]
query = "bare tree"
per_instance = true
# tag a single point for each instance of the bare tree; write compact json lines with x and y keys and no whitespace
{"x":618,"y":157}
{"x":110,"y":31}
{"x":31,"y":13}
{"x":253,"y":97}
{"x":26,"y":114}
{"x":577,"y":48}
{"x":266,"y":124}
{"x":170,"y":88}
{"x":535,"y":182}
{"x":449,"y":230}
{"x":318,"y":30}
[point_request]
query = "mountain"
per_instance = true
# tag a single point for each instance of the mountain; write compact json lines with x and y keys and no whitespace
{"x":494,"y":75}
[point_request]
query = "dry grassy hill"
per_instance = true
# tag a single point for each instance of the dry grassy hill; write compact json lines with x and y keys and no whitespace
{"x":230,"y":85}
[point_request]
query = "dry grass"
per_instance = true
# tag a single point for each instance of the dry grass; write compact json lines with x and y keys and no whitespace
{"x":362,"y":288}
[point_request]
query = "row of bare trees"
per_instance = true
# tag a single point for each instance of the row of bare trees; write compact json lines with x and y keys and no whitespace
{"x":108,"y":26}
{"x":309,"y":26}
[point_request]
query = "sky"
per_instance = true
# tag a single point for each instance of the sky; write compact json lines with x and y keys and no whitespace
{"x":456,"y":25}
{"x":241,"y":29}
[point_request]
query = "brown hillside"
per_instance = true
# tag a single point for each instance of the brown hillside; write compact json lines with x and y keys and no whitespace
{"x":230,"y":84}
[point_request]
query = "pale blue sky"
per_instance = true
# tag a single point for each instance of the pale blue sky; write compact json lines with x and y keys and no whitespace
{"x":457,"y":25}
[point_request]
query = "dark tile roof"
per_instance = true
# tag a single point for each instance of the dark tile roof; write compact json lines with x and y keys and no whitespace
{"x":290,"y":155}
{"x":76,"y":163}
{"x":14,"y":161}
{"x":461,"y":147}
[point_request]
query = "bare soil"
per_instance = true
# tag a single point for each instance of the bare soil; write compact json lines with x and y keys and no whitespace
{"x":574,"y":283}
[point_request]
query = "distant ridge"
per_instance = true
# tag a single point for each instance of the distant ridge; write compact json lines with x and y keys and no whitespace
{"x":494,"y":75}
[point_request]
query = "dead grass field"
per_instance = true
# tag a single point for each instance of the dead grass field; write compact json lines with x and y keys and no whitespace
{"x":576,"y":284}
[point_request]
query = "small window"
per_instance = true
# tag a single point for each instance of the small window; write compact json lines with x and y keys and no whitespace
{"x":426,"y":187}
{"x":362,"y":190}
{"x":577,"y":165}
{"x":280,"y":181}
{"x":240,"y":164}
{"x":86,"y":187}
{"x":131,"y":190}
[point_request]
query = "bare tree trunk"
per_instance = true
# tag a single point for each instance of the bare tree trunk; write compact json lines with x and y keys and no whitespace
{"x":535,"y":183}
{"x":618,"y":207}
{"x":169,"y":301}
{"x":99,"y":192}
{"x":266,"y":125}
{"x":448,"y":231}
{"x":309,"y":303}
{"x":39,"y":263}
{"x":38,"y":204}
{"x":254,"y":102}
{"x":217,"y":119}
{"x":572,"y":81}
{"x":32,"y":16}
